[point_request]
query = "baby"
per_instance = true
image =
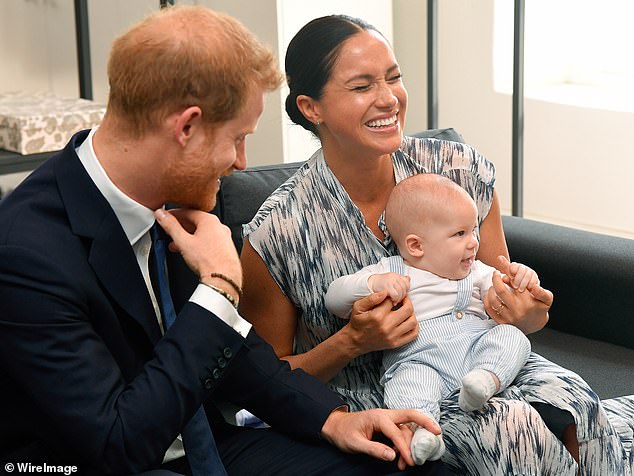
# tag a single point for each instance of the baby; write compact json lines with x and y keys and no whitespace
{"x":434,"y":223}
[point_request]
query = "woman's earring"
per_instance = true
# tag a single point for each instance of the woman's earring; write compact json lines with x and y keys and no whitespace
{"x":318,"y":124}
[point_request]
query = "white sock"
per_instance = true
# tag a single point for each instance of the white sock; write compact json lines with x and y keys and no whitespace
{"x":477,"y":387}
{"x":426,"y":446}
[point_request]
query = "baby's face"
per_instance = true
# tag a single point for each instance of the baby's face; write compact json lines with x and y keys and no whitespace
{"x":450,"y":242}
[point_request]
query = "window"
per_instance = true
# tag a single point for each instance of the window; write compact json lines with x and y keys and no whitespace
{"x":576,"y":52}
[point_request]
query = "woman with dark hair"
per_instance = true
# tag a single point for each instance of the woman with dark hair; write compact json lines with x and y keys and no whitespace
{"x":327,"y":220}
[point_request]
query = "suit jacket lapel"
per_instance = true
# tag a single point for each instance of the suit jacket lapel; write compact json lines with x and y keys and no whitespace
{"x":109,"y":252}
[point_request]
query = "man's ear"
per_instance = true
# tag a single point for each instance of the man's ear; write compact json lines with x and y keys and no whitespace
{"x":414,"y":245}
{"x":186,"y":123}
{"x":309,"y":108}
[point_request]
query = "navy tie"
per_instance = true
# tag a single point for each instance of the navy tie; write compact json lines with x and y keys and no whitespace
{"x":198,"y":440}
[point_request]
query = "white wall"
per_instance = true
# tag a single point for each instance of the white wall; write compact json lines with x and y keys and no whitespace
{"x":37,"y":42}
{"x":37,"y":46}
{"x":579,"y":164}
{"x":266,"y":145}
{"x":410,"y":47}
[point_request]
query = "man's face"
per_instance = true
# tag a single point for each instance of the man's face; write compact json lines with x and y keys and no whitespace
{"x":194,"y":182}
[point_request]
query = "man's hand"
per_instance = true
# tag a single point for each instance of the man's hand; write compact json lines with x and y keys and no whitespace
{"x":395,"y":284}
{"x":353,"y":432}
{"x":204,"y":243}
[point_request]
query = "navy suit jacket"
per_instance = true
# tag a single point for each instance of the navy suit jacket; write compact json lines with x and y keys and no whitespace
{"x":86,"y":377}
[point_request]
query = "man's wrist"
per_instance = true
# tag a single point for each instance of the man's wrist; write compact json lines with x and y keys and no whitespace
{"x":223,"y":289}
{"x":221,"y":307}
{"x":326,"y":429}
{"x":225,"y":278}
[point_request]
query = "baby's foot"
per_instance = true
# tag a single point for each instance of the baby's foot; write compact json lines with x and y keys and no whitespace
{"x":477,"y":387}
{"x":426,"y":446}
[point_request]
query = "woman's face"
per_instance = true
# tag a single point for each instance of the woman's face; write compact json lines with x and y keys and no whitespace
{"x":362,"y":109}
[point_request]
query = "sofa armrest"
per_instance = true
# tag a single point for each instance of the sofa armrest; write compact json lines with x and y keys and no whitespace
{"x":591,"y":276}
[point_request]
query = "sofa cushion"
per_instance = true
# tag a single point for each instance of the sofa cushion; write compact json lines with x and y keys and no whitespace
{"x":606,"y":367}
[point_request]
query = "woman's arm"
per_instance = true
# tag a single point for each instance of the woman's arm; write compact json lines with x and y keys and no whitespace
{"x":526,"y":311}
{"x":372,"y":326}
{"x":492,"y":241}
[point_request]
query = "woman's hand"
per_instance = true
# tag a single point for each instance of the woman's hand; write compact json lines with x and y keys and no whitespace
{"x":527,"y":311}
{"x":375,"y":325}
{"x":274,"y":318}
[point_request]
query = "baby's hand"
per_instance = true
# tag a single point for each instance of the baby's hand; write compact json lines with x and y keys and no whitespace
{"x":395,"y":284}
{"x":518,"y":275}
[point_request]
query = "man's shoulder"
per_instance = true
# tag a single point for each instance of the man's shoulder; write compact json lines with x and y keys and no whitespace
{"x":34,"y":215}
{"x":22,"y":206}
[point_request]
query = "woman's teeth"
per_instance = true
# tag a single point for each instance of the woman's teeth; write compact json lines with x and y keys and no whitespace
{"x":383,"y":122}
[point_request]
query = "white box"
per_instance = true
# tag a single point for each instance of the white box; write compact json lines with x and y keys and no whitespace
{"x":42,"y":122}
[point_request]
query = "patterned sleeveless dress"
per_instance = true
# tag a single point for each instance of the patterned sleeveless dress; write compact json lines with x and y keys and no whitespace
{"x":309,"y":232}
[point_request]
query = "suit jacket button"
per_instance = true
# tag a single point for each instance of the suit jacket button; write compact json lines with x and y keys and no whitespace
{"x":222,"y":363}
{"x":227,"y":352}
{"x":216,"y":373}
{"x":208,"y":383}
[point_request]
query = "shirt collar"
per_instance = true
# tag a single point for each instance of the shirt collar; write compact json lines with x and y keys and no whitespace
{"x":135,"y":219}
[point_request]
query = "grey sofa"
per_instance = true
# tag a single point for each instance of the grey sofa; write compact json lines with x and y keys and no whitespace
{"x":591,"y":329}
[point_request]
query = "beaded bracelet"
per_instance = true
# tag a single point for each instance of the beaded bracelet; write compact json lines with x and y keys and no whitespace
{"x":223,"y":293}
{"x":226,"y":279}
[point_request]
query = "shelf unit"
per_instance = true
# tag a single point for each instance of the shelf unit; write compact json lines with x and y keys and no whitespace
{"x":12,"y":162}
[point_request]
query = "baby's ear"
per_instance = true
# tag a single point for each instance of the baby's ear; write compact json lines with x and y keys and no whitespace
{"x":414,"y":245}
